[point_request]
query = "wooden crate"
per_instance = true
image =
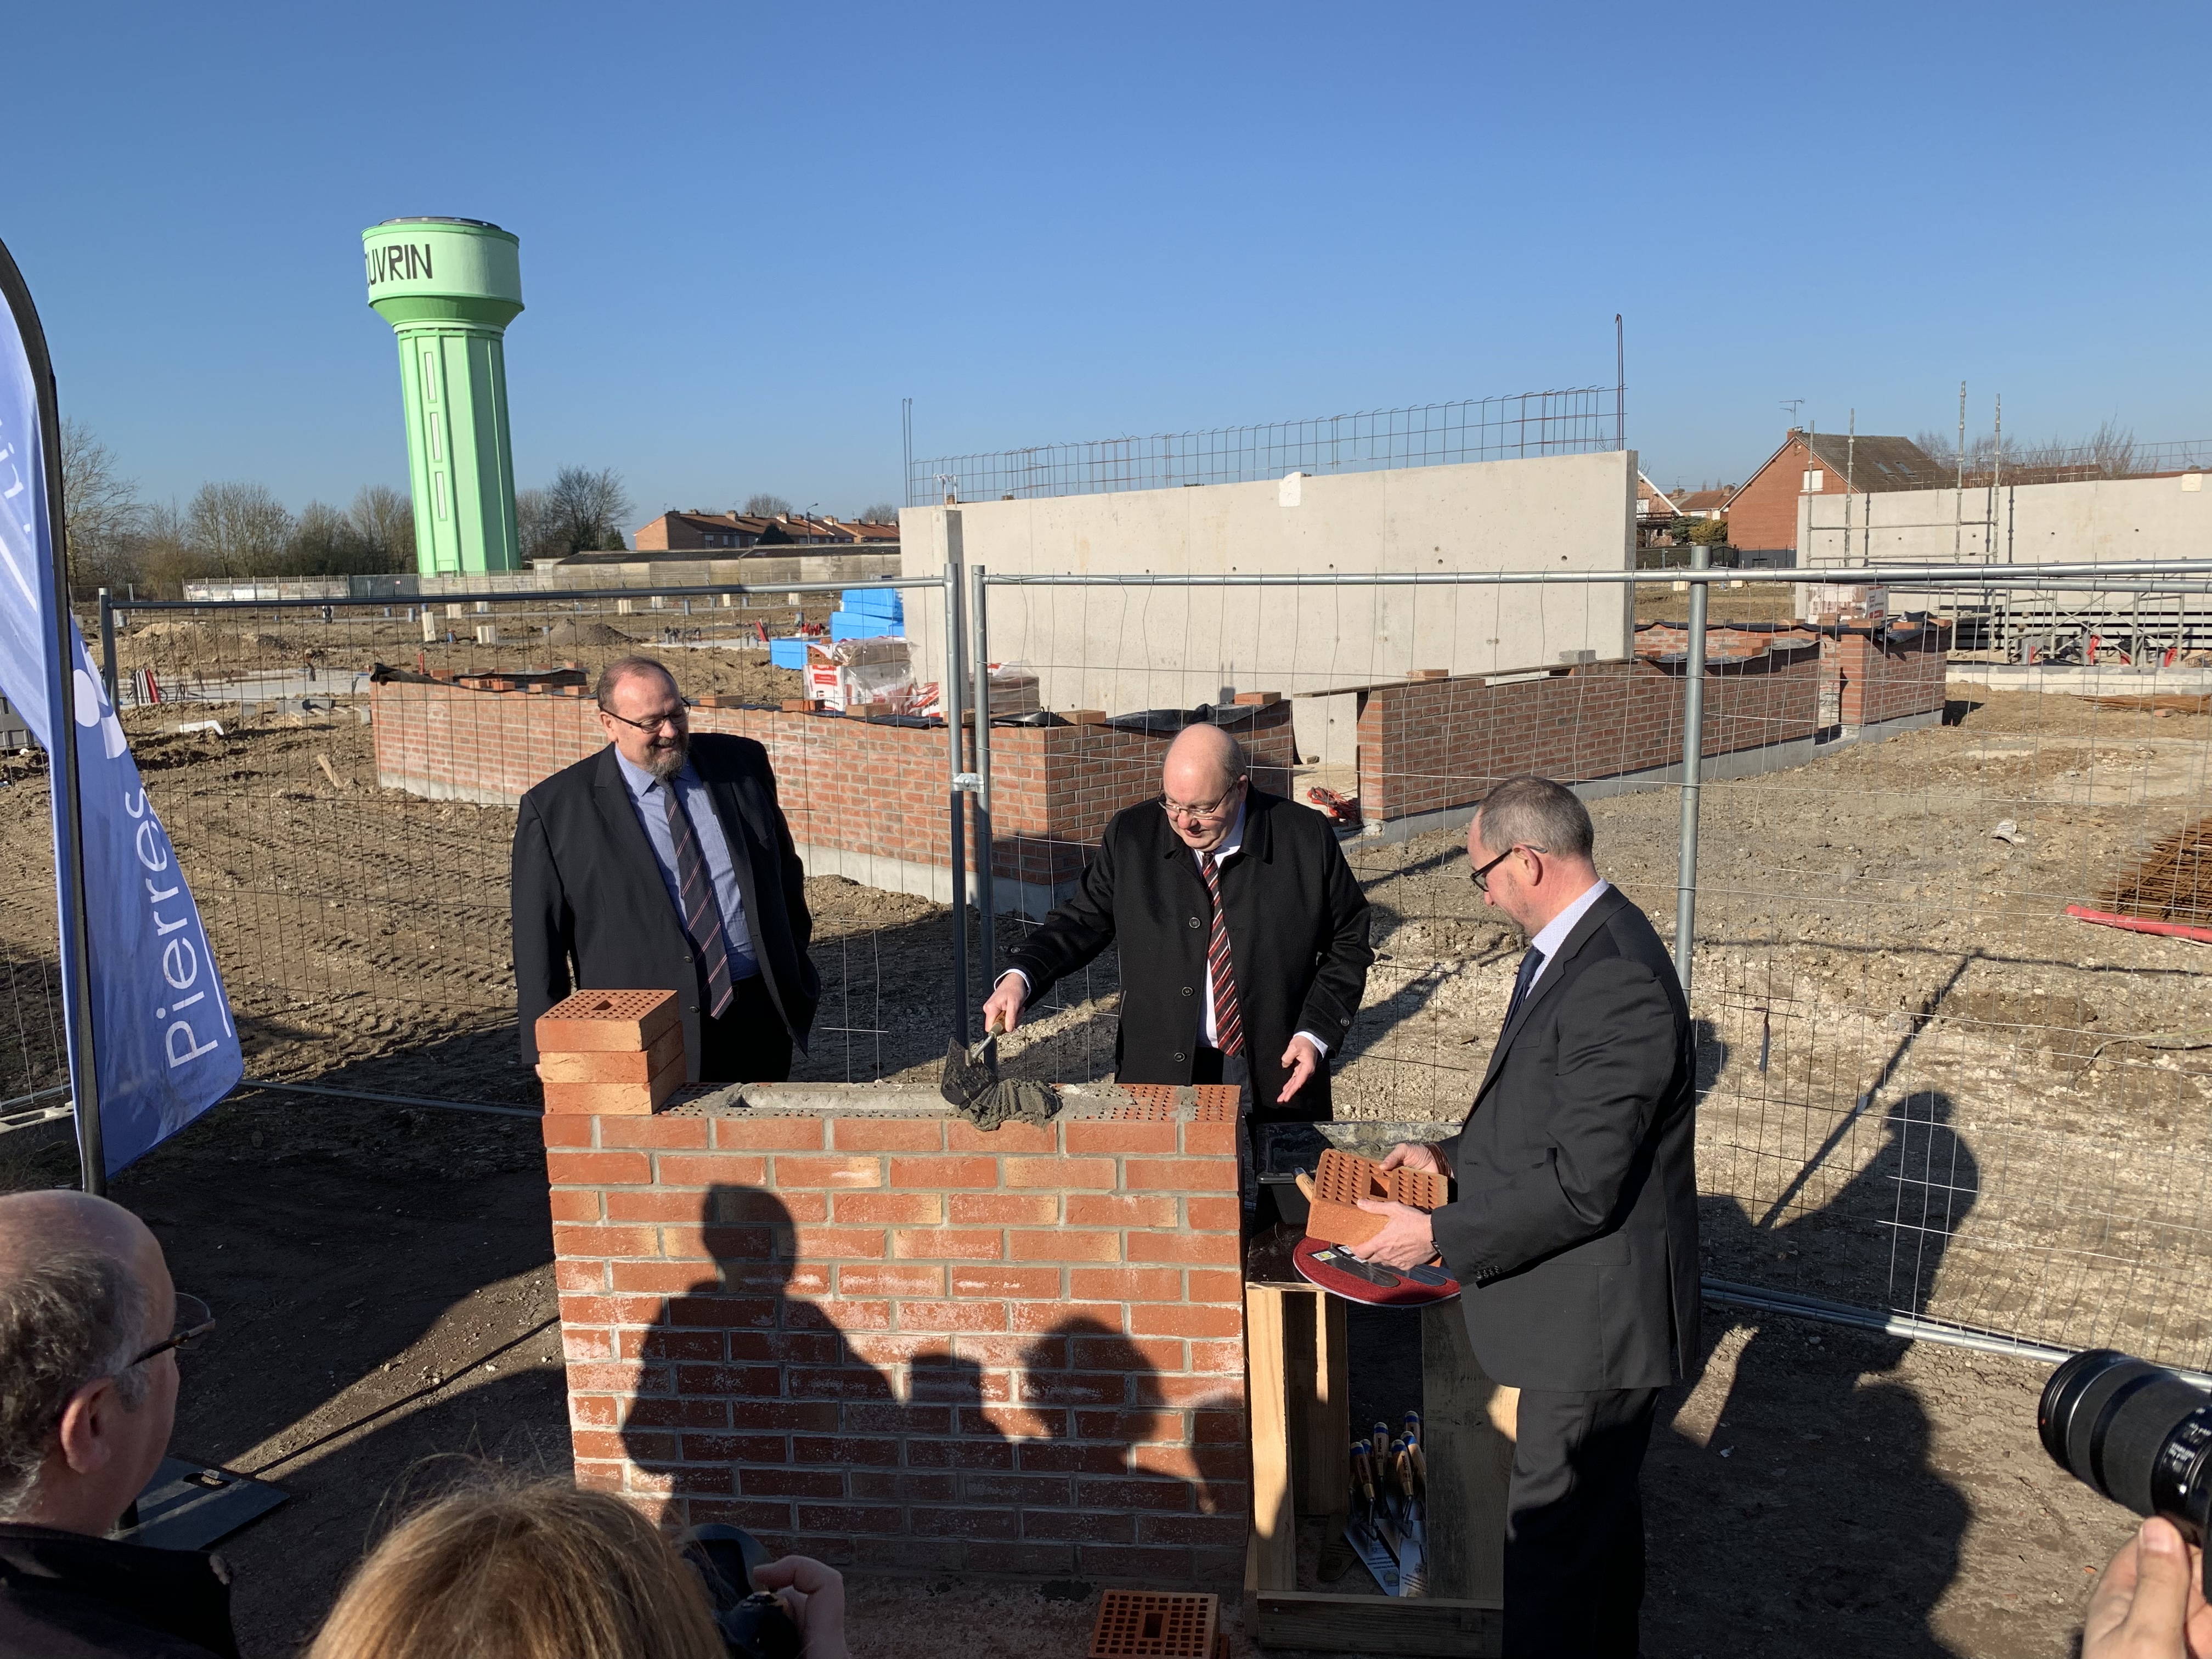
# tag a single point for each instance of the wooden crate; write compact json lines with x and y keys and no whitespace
{"x":1298,"y":1385}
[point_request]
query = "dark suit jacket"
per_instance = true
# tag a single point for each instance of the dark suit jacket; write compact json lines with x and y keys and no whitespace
{"x":1298,"y":942}
{"x":591,"y":912}
{"x":1574,"y":1218}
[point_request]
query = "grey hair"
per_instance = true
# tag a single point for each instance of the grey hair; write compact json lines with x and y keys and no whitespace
{"x":1529,"y":811}
{"x":622,"y":668}
{"x":77,"y":1316}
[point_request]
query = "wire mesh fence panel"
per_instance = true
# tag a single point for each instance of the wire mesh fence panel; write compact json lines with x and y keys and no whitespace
{"x":1929,"y":1089}
{"x":340,"y":780}
{"x":33,"y":1071}
{"x":1571,"y":421}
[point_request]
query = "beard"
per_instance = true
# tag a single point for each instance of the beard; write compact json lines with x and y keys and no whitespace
{"x":666,"y":755}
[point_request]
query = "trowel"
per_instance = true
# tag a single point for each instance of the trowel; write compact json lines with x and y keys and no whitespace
{"x":970,"y":1073}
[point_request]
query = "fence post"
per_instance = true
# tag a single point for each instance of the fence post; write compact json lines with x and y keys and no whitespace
{"x":108,"y":646}
{"x":949,"y":700}
{"x":1693,"y":766}
{"x":985,"y":894}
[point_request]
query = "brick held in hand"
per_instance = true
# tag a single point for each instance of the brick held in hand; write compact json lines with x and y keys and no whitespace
{"x":598,"y":1022}
{"x":1341,"y":1179}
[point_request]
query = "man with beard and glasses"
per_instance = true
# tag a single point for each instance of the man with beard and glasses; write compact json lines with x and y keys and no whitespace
{"x":664,"y":861}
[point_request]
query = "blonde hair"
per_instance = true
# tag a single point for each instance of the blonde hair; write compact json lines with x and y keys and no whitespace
{"x":508,"y":1571}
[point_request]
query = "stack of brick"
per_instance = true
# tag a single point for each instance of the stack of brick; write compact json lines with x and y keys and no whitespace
{"x":619,"y":1052}
{"x":865,"y":1329}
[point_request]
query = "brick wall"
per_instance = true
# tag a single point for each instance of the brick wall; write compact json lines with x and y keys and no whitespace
{"x":1763,"y":515}
{"x":889,"y":1339}
{"x":1893,"y":676}
{"x":1438,"y":745}
{"x":860,"y":786}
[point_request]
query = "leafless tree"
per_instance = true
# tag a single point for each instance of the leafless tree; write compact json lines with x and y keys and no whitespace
{"x":764,"y":505}
{"x":383,"y":519}
{"x":881,"y":513}
{"x":162,"y":553}
{"x":238,"y":528}
{"x":588,"y":508}
{"x":102,"y":510}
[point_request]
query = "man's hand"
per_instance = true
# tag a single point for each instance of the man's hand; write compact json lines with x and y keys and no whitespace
{"x":1407,"y":1238}
{"x":1418,"y":1155}
{"x":1301,"y":1059}
{"x":814,"y":1595}
{"x":1004,"y":1002}
{"x":2150,"y":1602}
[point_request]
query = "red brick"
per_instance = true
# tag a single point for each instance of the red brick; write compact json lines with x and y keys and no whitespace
{"x":979,"y":1454}
{"x":888,"y":1209}
{"x":791,"y":1483}
{"x":579,"y":1275}
{"x":856,"y":1280}
{"x":663,"y":1277}
{"x":1116,"y":1138}
{"x":1211,"y":1214}
{"x":918,"y":1315}
{"x":910,"y":1174}
{"x":678,"y":1133}
{"x":1181,"y":1319}
{"x":1054,"y":1456}
{"x":888,"y":1134}
{"x":1211,"y":1249}
{"x":1051,"y":1315}
{"x":1122,"y":1210}
{"x":1180,"y":1175}
{"x":961,"y":1136}
{"x":960,"y":1522}
{"x":685,"y":1170}
{"x":1126,"y":1428}
{"x":1064,"y":1245}
{"x":845,"y":1451}
{"x":1215,"y":1284}
{"x":1126,"y":1284}
{"x":1024,"y":1283}
{"x":653,"y":1204}
{"x":769,"y":1135}
{"x":1080,"y":1526}
{"x":817,"y":1417}
{"x":1004,"y":1209}
{"x":734,"y":1449}
{"x":558,"y":1130}
{"x":944,"y":1243}
{"x":596,"y":1169}
{"x":1217,"y":1359}
{"x":1062,"y":1173}
{"x":843,"y":1173}
{"x":574,"y":1240}
{"x":1216,"y":1140}
{"x":835,"y":1243}
{"x":575,"y":1205}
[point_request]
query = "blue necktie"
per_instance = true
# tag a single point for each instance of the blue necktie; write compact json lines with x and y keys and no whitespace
{"x":1531,"y":965}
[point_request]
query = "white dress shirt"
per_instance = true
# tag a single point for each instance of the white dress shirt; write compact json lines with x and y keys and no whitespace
{"x":1555,"y":931}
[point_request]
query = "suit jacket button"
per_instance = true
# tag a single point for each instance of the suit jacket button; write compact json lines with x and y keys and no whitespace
{"x":1194,"y":921}
{"x":1178,"y":1060}
{"x":1185,"y":990}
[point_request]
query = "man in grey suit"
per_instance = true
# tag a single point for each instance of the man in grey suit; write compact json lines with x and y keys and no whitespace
{"x":1573,"y":1222}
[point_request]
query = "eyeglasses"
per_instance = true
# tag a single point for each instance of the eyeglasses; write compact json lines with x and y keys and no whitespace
{"x":1480,"y":875}
{"x":195,"y":1319}
{"x":679,"y":716}
{"x":1179,"y":810}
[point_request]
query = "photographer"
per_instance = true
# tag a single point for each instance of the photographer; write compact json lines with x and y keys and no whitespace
{"x":2149,"y":1604}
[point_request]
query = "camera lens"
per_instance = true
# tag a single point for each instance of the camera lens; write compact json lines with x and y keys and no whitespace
{"x":2135,"y":1432}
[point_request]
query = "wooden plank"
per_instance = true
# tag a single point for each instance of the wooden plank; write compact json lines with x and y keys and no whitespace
{"x":1467,"y":1428}
{"x":1272,"y":1562}
{"x":1325,"y":1461}
{"x":1379,"y":1624}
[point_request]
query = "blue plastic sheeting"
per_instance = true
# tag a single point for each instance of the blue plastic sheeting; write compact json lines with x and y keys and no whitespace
{"x":883,"y":602}
{"x":845,"y":625}
{"x":788,"y":653}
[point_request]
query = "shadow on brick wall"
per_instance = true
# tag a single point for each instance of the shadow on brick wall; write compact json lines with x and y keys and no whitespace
{"x":769,"y":1394}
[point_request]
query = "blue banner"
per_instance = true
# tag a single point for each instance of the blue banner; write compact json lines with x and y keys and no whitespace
{"x":164,"y":1050}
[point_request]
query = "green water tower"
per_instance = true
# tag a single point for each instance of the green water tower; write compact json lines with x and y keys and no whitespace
{"x":449,"y":288}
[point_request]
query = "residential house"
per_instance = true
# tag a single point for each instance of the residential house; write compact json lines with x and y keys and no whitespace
{"x":1762,"y":516}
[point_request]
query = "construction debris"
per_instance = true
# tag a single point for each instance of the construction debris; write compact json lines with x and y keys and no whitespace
{"x":2173,"y":884}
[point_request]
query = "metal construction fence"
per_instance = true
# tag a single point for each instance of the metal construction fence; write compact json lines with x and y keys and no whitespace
{"x":1935,"y":1100}
{"x":1569,"y":422}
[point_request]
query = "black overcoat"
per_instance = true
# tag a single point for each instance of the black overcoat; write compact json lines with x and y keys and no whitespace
{"x":591,"y":912}
{"x":1297,"y":941}
{"x":1573,"y":1222}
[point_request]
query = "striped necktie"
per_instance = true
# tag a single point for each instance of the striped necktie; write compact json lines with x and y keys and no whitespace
{"x":702,"y":921}
{"x":1228,"y":1022}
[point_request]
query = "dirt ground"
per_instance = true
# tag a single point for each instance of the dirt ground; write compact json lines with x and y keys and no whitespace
{"x":1929,"y":1089}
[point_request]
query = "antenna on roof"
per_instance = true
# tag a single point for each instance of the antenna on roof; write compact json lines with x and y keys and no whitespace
{"x":1793,"y":404}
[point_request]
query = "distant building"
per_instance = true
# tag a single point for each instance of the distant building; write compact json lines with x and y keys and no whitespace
{"x":1762,"y":516}
{"x":1657,"y":510}
{"x":700,"y":531}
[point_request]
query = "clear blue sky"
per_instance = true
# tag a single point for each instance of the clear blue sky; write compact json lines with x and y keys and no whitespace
{"x":748,"y":231}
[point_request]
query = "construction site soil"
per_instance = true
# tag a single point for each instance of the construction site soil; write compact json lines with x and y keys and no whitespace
{"x":1875,"y":957}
